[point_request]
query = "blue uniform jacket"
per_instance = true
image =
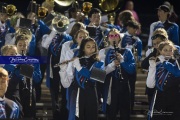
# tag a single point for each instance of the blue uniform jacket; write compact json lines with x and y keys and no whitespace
{"x":167,"y":75}
{"x":11,"y":108}
{"x":172,"y":30}
{"x":85,"y":73}
{"x":128,"y":68}
{"x":130,"y":41}
{"x":55,"y":50}
{"x":15,"y":70}
{"x":32,"y":46}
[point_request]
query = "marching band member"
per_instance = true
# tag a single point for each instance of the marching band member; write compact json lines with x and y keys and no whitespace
{"x":83,"y":98}
{"x":71,"y":44}
{"x":171,"y":28}
{"x":164,"y":76}
{"x":53,"y":43}
{"x":119,"y":65}
{"x":159,"y":35}
{"x":43,"y":31}
{"x":22,"y":42}
{"x":78,"y":37}
{"x":123,"y":18}
{"x":3,"y":24}
{"x":132,"y":42}
{"x":95,"y":18}
{"x":9,"y":109}
{"x":12,"y":92}
{"x":66,"y":54}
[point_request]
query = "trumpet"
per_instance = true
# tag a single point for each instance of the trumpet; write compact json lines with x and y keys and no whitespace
{"x":10,"y":9}
{"x":118,"y":67}
{"x":42,"y":12}
{"x":87,"y":7}
{"x":109,"y":5}
{"x":67,"y":61}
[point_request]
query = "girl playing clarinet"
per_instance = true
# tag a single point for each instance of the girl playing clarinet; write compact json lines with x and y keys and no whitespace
{"x":119,"y":65}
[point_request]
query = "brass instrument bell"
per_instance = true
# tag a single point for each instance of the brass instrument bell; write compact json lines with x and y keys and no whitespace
{"x":87,"y":7}
{"x":42,"y":12}
{"x":10,"y":9}
{"x":111,"y":18}
{"x":60,"y":23}
{"x":64,"y":2}
{"x":108,"y":5}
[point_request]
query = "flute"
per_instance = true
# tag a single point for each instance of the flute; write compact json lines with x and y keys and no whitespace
{"x":67,"y":61}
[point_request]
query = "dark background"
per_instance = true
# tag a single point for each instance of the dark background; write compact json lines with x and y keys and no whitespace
{"x":146,"y":10}
{"x":142,"y":7}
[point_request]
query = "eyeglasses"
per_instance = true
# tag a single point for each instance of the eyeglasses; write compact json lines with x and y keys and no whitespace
{"x":113,"y":36}
{"x":158,"y":36}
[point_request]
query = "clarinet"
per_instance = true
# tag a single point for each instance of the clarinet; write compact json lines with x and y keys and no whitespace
{"x":118,"y":67}
{"x":25,"y":81}
{"x":30,"y":85}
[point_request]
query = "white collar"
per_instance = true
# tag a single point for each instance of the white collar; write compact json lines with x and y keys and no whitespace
{"x":127,"y":33}
{"x":110,"y":46}
{"x":71,"y":19}
{"x":162,"y":22}
{"x":2,"y":99}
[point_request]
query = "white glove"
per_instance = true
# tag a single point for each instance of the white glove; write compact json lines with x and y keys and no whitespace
{"x":77,"y":64}
{"x":152,"y":63}
{"x":63,"y":67}
{"x":134,"y":37}
{"x":161,"y":58}
{"x":120,"y":57}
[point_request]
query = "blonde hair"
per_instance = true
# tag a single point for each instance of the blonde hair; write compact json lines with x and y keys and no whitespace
{"x":23,"y":38}
{"x":117,"y":32}
{"x":160,"y":31}
{"x":6,"y":48}
{"x":79,"y":31}
{"x":164,"y":43}
{"x":24,"y":31}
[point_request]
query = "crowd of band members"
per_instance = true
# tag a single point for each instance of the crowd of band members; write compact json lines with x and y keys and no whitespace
{"x":82,"y":98}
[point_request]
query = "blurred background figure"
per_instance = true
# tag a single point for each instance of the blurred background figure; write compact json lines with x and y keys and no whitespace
{"x":173,"y":16}
{"x":130,"y":6}
{"x":49,"y":4}
{"x":123,"y":18}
